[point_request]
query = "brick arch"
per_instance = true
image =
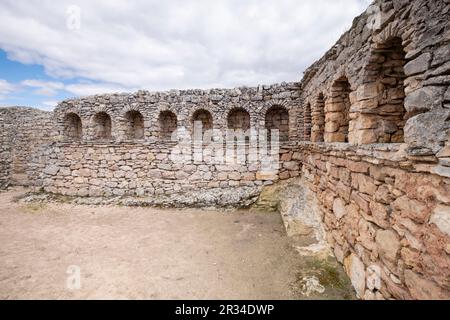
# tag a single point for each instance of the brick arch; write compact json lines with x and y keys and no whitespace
{"x":277,"y":117}
{"x":73,"y":126}
{"x":382,"y":113}
{"x":337,"y":111}
{"x":101,"y":124}
{"x":167,"y":124}
{"x":238,"y":118}
{"x":133,"y":124}
{"x":318,"y":118}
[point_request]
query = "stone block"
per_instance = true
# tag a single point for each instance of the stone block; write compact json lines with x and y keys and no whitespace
{"x":51,"y":170}
{"x":388,"y":245}
{"x":339,"y":209}
{"x":367,"y":91}
{"x":424,"y":289}
{"x":441,"y":218}
{"x":418,"y":65}
{"x":356,"y":271}
{"x":411,"y":208}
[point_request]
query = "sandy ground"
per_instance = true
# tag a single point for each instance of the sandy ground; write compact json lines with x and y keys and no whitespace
{"x":146,"y":253}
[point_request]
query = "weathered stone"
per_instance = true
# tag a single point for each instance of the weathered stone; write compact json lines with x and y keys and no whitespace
{"x":427,"y":129}
{"x":365,"y":184}
{"x":363,"y":179}
{"x":51,"y":170}
{"x":367,"y":91}
{"x":373,"y":279}
{"x":441,"y":218}
{"x":339,"y":208}
{"x":358,"y":167}
{"x":360,"y":201}
{"x":411,"y":208}
{"x":379,"y":214}
{"x":444,"y":153}
{"x":388,"y":245}
{"x":422,"y":288}
{"x":356,"y":271}
{"x":423,"y":99}
{"x":418,"y":65}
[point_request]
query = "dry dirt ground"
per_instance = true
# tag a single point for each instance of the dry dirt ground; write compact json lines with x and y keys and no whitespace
{"x":146,"y":253}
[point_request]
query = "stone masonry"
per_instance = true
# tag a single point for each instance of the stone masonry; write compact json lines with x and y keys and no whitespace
{"x":366,"y":131}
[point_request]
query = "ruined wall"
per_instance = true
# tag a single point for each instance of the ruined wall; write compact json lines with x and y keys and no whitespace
{"x":386,"y":80}
{"x":160,"y":110}
{"x":374,"y":117}
{"x":120,"y":145}
{"x":5,"y":149}
{"x":22,"y":132}
{"x":377,"y":110}
{"x":384,"y":215}
{"x":149,"y":169}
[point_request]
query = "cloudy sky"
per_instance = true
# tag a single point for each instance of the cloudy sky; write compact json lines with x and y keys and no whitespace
{"x":51,"y":50}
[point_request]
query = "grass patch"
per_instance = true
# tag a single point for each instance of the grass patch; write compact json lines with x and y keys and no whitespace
{"x":330,"y":275}
{"x":34,"y":207}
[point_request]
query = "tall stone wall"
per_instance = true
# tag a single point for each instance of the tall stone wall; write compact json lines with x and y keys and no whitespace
{"x":386,"y":80}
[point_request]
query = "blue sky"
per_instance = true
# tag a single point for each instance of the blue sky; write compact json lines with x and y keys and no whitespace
{"x":63,"y":49}
{"x":23,"y":95}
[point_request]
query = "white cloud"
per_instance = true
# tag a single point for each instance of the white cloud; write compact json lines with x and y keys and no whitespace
{"x":44,"y":88}
{"x":85,"y":89}
{"x":48,"y":105}
{"x":173,"y":44}
{"x":6,"y":88}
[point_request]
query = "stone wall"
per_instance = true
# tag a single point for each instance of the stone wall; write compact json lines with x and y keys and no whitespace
{"x":119,"y":144}
{"x":380,"y":101}
{"x":151,"y":169}
{"x":22,"y":132}
{"x":374,"y":117}
{"x":386,"y":80}
{"x":5,"y":149}
{"x":383,"y":212}
{"x":107,"y":118}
